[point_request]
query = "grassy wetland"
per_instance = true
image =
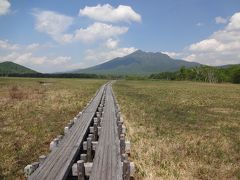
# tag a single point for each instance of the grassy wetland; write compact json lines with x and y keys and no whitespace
{"x":182,"y":130}
{"x":32,"y":113}
{"x":178,"y":130}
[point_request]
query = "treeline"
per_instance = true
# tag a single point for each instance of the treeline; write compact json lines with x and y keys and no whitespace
{"x":210,"y":74}
{"x":57,"y":75}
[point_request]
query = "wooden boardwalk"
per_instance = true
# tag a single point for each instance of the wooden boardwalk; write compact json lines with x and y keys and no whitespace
{"x":107,"y":160}
{"x":58,"y":164}
{"x":93,"y":148}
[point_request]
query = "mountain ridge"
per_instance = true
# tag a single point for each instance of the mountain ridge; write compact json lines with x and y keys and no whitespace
{"x":138,"y":62}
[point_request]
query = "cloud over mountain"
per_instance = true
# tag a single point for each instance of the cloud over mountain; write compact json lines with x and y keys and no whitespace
{"x":98,"y":31}
{"x":107,"y":13}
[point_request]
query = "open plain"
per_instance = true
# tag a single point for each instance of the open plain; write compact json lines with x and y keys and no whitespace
{"x":182,"y":130}
{"x":178,"y":130}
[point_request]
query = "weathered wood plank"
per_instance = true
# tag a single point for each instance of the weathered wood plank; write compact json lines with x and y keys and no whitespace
{"x":107,"y":160}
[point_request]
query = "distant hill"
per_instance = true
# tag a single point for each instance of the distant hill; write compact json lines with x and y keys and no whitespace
{"x":138,"y":63}
{"x":13,"y":68}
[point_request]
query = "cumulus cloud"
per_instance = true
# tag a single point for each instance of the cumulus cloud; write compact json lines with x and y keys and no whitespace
{"x":220,"y":20}
{"x":56,"y":25}
{"x":39,"y":63}
{"x":199,"y":24}
{"x":174,"y":55}
{"x":23,"y":58}
{"x":205,"y":45}
{"x":8,"y":46}
{"x":111,"y":43}
{"x":234,"y":23}
{"x":191,"y":57}
{"x":33,"y":46}
{"x":98,"y":31}
{"x":52,"y":23}
{"x":60,"y":60}
{"x":222,"y":47}
{"x":107,"y":13}
{"x":28,"y":58}
{"x":100,"y":55}
{"x":5,"y":44}
{"x":4,"y":7}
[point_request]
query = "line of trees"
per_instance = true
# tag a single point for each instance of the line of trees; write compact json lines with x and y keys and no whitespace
{"x":209,"y":74}
{"x":63,"y":75}
{"x":57,"y":75}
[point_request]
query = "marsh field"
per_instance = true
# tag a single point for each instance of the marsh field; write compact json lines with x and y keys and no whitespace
{"x":32,"y":113}
{"x":178,"y":130}
{"x":182,"y":130}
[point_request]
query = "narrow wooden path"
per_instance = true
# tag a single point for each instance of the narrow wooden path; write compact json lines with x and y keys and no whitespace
{"x":91,"y":147}
{"x":107,"y":160}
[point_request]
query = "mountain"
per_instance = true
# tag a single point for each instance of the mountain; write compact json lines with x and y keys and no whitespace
{"x":138,"y":63}
{"x":13,"y":68}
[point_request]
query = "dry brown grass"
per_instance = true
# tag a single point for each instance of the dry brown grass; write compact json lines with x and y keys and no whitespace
{"x":32,"y":114}
{"x":182,"y":130}
{"x":16,"y":93}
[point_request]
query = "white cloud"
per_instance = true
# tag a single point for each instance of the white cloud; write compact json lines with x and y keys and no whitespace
{"x":220,"y":20}
{"x":56,"y":25}
{"x":107,"y":13}
{"x":5,"y":44}
{"x":205,"y":45}
{"x":4,"y":7}
{"x":52,"y":23}
{"x":28,"y":58}
{"x":191,"y":58}
{"x":23,"y":58}
{"x":234,"y":23}
{"x":60,"y":60}
{"x":98,"y":31}
{"x":199,"y":24}
{"x":173,"y":55}
{"x":66,"y":38}
{"x":111,"y":43}
{"x":26,"y":55}
{"x":213,"y":58}
{"x":97,"y":56}
{"x":33,"y":46}
{"x":222,"y":47}
{"x":100,"y":55}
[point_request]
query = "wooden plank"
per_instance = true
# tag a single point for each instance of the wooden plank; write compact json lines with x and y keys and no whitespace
{"x":107,"y":160}
{"x":58,"y":164}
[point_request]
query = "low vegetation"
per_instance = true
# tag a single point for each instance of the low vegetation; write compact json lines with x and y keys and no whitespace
{"x":182,"y":130}
{"x":178,"y":130}
{"x":32,"y":113}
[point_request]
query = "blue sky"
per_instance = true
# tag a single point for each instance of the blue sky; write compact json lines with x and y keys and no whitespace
{"x":60,"y":35}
